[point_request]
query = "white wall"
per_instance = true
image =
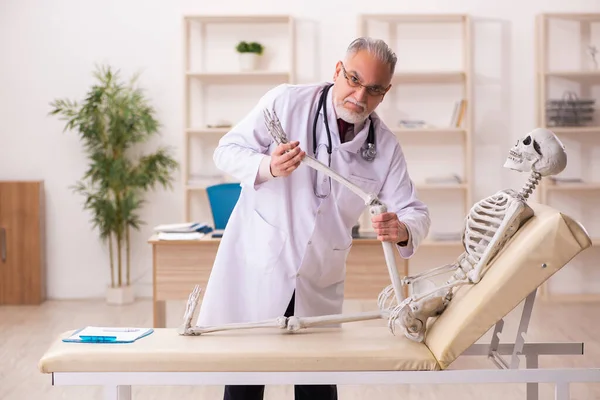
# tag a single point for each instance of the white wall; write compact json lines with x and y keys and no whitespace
{"x":48,"y":50}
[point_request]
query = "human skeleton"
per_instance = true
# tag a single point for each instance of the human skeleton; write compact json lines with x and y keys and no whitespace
{"x":490,"y":223}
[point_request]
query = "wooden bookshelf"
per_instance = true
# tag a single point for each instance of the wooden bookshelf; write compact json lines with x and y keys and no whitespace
{"x":580,"y":78}
{"x":461,"y":77}
{"x":224,"y":74}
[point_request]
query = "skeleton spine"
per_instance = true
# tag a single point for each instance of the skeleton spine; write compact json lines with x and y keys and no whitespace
{"x":530,"y":185}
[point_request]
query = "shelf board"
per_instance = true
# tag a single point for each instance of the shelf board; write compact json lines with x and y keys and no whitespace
{"x":572,"y":298}
{"x":573,"y":74}
{"x":573,"y":186}
{"x":441,"y":186}
{"x":428,"y":131}
{"x":369,"y":235}
{"x":240,"y":19}
{"x":429,"y":77}
{"x":590,"y":17}
{"x":411,"y":131}
{"x":235,"y":76}
{"x":211,"y":131}
{"x":574,"y":129}
{"x":415,"y":18}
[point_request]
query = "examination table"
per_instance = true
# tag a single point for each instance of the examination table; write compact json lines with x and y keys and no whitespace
{"x":358,"y":353}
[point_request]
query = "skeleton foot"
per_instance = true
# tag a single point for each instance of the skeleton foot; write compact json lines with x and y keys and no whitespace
{"x":192,"y":303}
{"x":413,"y":313}
{"x":412,"y":327}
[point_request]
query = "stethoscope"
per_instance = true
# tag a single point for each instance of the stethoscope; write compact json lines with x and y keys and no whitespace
{"x":367,"y":151}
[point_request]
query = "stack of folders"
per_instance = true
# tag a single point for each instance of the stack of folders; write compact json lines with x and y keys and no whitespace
{"x":183,"y":231}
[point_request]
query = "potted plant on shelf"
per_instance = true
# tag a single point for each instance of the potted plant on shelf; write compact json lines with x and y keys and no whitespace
{"x":111,"y":120}
{"x":249,"y":55}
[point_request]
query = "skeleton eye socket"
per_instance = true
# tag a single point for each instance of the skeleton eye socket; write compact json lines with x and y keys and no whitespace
{"x":527,"y":141}
{"x":537,"y":148}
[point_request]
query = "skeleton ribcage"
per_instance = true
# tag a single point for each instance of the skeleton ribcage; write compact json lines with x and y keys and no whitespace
{"x":483,"y":222}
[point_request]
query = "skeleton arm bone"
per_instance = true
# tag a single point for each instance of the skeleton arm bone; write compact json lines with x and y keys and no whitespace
{"x":275,"y":129}
{"x":430,"y":273}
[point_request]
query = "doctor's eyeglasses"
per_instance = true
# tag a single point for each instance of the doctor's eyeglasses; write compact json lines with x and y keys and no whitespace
{"x":353,"y":81}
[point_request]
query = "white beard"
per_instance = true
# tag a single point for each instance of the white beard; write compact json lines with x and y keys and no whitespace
{"x":351,"y":117}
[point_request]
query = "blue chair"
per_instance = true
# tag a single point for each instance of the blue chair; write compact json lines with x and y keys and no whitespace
{"x":222,"y":199}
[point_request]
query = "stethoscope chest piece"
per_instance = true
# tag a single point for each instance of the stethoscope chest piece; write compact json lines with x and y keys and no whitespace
{"x":368,"y":151}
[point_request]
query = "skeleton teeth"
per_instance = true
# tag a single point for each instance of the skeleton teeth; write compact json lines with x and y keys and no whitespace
{"x":515,"y":159}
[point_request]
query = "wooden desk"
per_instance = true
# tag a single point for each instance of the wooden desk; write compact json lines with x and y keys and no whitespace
{"x":177,"y":266}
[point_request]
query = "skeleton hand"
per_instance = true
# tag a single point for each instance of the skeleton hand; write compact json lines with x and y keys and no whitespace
{"x":389,"y":228}
{"x":286,"y":158}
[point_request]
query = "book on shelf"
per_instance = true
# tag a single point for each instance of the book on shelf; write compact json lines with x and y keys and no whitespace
{"x":458,"y":116}
{"x":413,"y":124}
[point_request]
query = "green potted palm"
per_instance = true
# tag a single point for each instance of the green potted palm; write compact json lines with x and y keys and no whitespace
{"x":112,"y":121}
{"x":249,"y":53}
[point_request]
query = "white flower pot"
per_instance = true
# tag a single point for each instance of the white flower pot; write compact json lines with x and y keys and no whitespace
{"x":249,"y":61}
{"x":120,"y":295}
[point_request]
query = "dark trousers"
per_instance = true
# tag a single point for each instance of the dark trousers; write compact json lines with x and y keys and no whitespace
{"x":301,"y":392}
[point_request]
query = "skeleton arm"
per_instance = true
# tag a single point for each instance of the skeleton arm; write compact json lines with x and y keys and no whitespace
{"x":376,"y":207}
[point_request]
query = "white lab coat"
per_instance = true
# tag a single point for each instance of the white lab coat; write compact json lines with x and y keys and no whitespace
{"x":280,"y":236}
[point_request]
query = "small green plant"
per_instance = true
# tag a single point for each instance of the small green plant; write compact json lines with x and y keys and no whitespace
{"x":250,"y":47}
{"x":111,"y":120}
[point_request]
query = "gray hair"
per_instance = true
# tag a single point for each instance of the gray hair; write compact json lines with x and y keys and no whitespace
{"x":375,"y":47}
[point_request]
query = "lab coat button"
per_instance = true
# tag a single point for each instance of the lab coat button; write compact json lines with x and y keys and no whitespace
{"x":309,"y":242}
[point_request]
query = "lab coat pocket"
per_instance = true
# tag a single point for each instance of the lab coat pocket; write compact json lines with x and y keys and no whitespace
{"x":264,"y":244}
{"x":335,"y":269}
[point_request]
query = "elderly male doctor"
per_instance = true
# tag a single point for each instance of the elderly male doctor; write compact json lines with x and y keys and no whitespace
{"x":288,"y":237}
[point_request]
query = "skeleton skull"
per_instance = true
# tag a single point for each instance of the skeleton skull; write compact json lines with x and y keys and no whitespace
{"x":540,"y":151}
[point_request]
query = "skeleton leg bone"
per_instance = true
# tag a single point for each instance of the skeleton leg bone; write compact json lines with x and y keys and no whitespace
{"x":297,"y":323}
{"x":279,"y":322}
{"x":293,"y":324}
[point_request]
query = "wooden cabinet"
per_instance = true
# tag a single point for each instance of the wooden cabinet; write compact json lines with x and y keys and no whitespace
{"x":22,"y":242}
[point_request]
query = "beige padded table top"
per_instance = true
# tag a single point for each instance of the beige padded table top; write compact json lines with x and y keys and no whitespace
{"x":353,"y":347}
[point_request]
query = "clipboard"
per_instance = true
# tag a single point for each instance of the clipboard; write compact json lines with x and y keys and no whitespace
{"x":95,"y":334}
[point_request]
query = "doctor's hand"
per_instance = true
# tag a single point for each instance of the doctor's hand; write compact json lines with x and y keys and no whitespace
{"x":389,"y":228}
{"x":286,"y":158}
